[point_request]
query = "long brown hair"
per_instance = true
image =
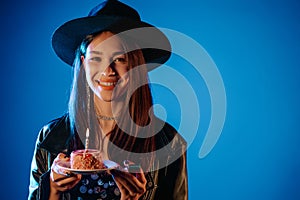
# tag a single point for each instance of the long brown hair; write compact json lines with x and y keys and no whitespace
{"x":82,"y":113}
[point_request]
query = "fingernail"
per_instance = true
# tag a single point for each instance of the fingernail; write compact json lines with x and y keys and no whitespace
{"x":68,"y":174}
{"x":126,"y":163}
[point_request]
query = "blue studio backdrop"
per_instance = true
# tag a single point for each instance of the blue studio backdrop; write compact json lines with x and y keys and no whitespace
{"x":255,"y":46}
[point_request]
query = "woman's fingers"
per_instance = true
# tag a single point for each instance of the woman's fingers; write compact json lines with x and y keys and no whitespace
{"x":131,"y":182}
{"x":126,"y":193}
{"x":60,"y":158}
{"x":62,"y":180}
{"x":126,"y":186}
{"x":138,"y":172}
{"x":135,"y":169}
{"x":68,"y":183}
{"x":65,"y":180}
{"x":131,"y":185}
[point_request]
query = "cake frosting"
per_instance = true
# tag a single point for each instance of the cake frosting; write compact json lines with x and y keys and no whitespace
{"x":86,"y":160}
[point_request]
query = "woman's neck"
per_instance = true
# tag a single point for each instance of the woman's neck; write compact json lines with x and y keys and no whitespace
{"x":107,"y":108}
{"x":106,"y":114}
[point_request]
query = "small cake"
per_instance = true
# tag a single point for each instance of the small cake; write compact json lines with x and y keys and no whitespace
{"x":88,"y":159}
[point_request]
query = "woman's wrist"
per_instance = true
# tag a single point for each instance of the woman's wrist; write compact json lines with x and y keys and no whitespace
{"x":54,"y":193}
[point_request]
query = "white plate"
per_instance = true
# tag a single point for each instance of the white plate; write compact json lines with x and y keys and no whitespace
{"x":66,"y":166}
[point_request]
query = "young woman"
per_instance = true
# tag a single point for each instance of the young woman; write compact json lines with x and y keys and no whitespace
{"x":111,"y":98}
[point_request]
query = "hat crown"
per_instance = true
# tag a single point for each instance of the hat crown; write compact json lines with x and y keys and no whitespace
{"x":116,"y":17}
{"x":115,"y":8}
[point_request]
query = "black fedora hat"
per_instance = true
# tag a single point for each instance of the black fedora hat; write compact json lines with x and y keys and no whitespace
{"x":112,"y":15}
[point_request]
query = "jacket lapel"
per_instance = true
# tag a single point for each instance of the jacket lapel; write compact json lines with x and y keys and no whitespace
{"x":57,"y":135}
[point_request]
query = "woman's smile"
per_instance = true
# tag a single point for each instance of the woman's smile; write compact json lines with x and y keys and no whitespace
{"x":107,"y":84}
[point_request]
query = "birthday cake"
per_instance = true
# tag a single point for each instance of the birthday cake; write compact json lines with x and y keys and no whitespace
{"x":86,"y":159}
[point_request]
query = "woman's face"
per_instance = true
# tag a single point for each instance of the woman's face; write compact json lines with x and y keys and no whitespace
{"x":106,"y":65}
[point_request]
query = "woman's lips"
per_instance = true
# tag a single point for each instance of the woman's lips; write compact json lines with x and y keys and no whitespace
{"x":106,"y":85}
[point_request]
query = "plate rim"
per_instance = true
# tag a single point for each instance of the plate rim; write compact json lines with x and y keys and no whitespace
{"x":86,"y":171}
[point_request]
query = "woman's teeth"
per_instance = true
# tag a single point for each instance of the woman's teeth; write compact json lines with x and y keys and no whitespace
{"x":107,"y":83}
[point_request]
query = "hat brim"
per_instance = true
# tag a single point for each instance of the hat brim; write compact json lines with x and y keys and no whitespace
{"x":155,"y":46}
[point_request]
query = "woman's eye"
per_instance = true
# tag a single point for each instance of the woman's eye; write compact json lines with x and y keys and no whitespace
{"x":97,"y":59}
{"x":120,"y":59}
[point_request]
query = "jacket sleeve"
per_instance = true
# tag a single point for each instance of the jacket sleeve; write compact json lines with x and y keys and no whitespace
{"x":40,"y":171}
{"x":177,"y":170}
{"x":173,"y":178}
{"x":181,"y":183}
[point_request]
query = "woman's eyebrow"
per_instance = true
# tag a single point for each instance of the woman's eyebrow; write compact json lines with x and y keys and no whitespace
{"x":96,"y":52}
{"x":118,"y":53}
{"x":101,"y":53}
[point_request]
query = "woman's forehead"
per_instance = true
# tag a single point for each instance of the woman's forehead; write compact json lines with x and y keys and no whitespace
{"x":106,"y":41}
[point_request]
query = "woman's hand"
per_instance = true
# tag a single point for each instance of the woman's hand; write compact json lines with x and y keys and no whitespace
{"x":61,"y":180}
{"x":132,"y":185}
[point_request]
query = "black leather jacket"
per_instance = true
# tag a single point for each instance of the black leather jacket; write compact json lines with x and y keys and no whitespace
{"x":166,"y":183}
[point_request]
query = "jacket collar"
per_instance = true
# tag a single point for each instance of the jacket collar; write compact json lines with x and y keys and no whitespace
{"x":57,"y":135}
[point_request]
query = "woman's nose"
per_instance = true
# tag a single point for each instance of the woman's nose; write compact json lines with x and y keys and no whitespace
{"x":109,"y":71}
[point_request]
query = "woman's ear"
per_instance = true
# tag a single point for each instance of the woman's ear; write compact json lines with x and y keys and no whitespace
{"x":82,"y":60}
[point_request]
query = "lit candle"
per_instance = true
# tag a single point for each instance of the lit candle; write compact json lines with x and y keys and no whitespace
{"x":87,"y":134}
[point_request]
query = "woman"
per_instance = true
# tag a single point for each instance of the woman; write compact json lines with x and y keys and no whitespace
{"x":111,"y":98}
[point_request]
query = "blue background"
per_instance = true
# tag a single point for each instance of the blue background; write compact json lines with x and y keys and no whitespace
{"x":255,"y":45}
